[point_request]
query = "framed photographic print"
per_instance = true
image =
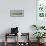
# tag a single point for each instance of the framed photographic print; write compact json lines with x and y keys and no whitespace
{"x":17,"y":13}
{"x":41,"y":12}
{"x":41,"y":8}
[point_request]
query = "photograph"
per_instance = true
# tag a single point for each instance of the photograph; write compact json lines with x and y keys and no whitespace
{"x":17,"y":13}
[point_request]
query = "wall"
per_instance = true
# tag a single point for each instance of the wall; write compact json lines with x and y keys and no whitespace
{"x":24,"y":23}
